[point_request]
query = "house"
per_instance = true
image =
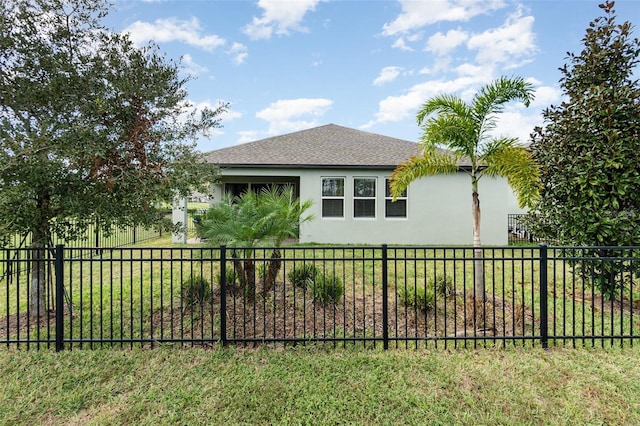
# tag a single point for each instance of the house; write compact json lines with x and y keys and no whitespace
{"x":346,"y":174}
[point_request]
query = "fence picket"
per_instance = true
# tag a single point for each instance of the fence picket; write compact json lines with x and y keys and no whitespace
{"x":350,"y":295}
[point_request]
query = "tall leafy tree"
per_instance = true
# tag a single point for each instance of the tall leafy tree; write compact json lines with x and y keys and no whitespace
{"x":456,"y":132}
{"x":589,"y":146}
{"x":93,"y":130}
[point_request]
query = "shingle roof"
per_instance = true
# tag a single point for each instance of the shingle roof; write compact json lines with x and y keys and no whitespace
{"x":325,"y":146}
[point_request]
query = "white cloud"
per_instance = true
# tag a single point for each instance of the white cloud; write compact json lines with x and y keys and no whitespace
{"x":239,"y":53}
{"x":397,"y":108}
{"x":247,"y":136}
{"x":191,"y":67}
{"x":283,"y":115}
{"x":225,"y":116}
{"x":400,"y":44}
{"x":516,"y":123}
{"x":506,"y":44}
{"x":173,"y":29}
{"x":280,"y":17}
{"x":484,"y":72}
{"x":546,"y":96}
{"x":387,"y":75}
{"x":417,"y":14}
{"x":442,"y":44}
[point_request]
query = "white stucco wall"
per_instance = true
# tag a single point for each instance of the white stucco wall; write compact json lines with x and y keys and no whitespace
{"x":439,"y":209}
{"x":513,"y":206}
{"x":439,"y":212}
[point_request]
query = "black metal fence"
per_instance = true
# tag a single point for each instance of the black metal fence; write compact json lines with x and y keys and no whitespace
{"x":388,"y":297}
{"x":96,"y":238}
{"x":518,"y":230}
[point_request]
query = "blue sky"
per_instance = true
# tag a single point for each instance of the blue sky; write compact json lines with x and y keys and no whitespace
{"x":291,"y":65}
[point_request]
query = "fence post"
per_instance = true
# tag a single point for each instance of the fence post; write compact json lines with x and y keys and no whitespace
{"x":59,"y":269}
{"x":544,"y":315}
{"x":385,"y":302}
{"x":223,"y":294}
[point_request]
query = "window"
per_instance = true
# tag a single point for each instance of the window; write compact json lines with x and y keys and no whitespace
{"x":236,"y":189}
{"x":394,"y":209}
{"x":364,"y":197}
{"x":333,"y":197}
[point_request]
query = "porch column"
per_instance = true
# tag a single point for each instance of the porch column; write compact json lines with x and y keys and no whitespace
{"x":179,"y":217}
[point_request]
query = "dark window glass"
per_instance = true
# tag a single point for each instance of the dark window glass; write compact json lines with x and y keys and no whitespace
{"x":332,"y":208}
{"x":364,"y":208}
{"x":395,"y":209}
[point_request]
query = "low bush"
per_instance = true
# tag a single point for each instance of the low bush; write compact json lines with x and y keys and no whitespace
{"x":443,"y":285}
{"x":420,"y":297}
{"x":231,"y":277}
{"x":303,"y":275}
{"x":327,"y":288}
{"x":196,"y":290}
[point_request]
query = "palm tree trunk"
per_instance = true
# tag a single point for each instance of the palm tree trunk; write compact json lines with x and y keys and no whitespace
{"x":239,"y":270}
{"x":250,"y":279}
{"x":478,"y":256}
{"x":272,"y":271}
{"x":478,"y":262}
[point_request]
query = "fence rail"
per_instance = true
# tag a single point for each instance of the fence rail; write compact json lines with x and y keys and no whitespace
{"x":389,"y":297}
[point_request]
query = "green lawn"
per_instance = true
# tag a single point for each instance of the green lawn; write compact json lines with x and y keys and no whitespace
{"x":315,"y":386}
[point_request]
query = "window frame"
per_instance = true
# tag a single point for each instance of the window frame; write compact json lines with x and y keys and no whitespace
{"x":324,"y":197}
{"x":373,"y":198}
{"x":388,"y":198}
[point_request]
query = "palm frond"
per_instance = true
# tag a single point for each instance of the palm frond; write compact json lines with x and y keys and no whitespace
{"x":517,"y":165}
{"x":491,"y":99}
{"x":457,"y":134}
{"x":431,"y":164}
{"x":443,"y":105}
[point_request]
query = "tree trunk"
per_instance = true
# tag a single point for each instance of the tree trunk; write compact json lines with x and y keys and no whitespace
{"x":250,"y":279}
{"x":38,"y":287}
{"x":478,"y":256}
{"x":272,"y":271}
{"x":478,"y":262}
{"x":239,"y":270}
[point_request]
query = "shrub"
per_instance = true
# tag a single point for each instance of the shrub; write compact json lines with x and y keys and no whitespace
{"x":419,"y":297}
{"x":230,"y":275}
{"x":327,"y":289}
{"x":262,"y":272}
{"x":196,"y":290}
{"x":443,"y":285}
{"x":303,"y":275}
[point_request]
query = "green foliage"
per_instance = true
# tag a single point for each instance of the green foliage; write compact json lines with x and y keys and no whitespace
{"x":420,"y":297}
{"x":196,"y":290}
{"x":231,"y":276}
{"x":254,"y":218}
{"x":589,"y":148}
{"x":443,"y":285}
{"x":92,"y":128}
{"x":327,"y":288}
{"x":251,"y":219}
{"x":464,"y":130}
{"x":303,"y":275}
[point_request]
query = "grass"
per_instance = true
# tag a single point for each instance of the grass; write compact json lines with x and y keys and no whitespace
{"x":314,"y":386}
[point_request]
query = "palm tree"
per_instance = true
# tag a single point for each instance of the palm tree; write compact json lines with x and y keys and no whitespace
{"x":285,"y":223}
{"x":465,"y":131}
{"x":252,"y":219}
